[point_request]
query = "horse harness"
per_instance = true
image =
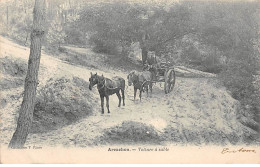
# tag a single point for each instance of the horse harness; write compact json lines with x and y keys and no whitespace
{"x":141,"y":84}
{"x":106,"y":86}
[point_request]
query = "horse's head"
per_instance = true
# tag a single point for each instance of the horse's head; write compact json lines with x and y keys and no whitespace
{"x":93,"y":80}
{"x":131,"y":76}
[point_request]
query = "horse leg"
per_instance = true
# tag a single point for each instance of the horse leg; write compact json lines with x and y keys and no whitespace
{"x":123,"y":92}
{"x":151,"y":88}
{"x":102,"y":104}
{"x":140,"y":95}
{"x":107,"y":98}
{"x":123,"y":96}
{"x":146,"y":88}
{"x":119,"y":98}
{"x":135,"y":89}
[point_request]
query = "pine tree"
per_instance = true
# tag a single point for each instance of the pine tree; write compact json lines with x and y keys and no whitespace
{"x":26,"y":111}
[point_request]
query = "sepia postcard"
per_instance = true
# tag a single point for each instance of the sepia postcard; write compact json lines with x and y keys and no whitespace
{"x":129,"y":81}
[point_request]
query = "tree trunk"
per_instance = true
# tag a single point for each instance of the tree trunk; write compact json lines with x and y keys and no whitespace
{"x":144,"y":54}
{"x":31,"y":81}
{"x":143,"y":46}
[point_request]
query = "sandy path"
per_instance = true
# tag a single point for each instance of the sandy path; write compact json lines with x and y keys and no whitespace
{"x":195,"y":105}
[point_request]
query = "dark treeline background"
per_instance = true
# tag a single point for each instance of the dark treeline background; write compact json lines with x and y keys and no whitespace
{"x":216,"y":36}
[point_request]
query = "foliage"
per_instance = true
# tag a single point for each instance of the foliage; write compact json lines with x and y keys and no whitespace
{"x":74,"y":36}
{"x":56,"y":33}
{"x":16,"y":19}
{"x":56,"y":106}
{"x":232,"y":29}
{"x":118,"y":25}
{"x":131,"y":132}
{"x":113,"y":25}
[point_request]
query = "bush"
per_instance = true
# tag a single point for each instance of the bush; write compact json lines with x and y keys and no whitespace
{"x":61,"y":102}
{"x":15,"y":68}
{"x":239,"y":78}
{"x":209,"y":62}
{"x":130,"y":132}
{"x":192,"y":56}
{"x":212,"y":64}
{"x":74,"y":36}
{"x":104,"y":46}
{"x":13,"y":73}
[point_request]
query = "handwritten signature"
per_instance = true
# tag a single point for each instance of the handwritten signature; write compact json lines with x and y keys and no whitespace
{"x":241,"y":150}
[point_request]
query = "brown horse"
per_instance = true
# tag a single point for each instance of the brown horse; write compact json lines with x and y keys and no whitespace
{"x":107,"y":87}
{"x":140,"y":80}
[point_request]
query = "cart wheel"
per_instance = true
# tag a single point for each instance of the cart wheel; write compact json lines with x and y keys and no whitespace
{"x":169,"y":81}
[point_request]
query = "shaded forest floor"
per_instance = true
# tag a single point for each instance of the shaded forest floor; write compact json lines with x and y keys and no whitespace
{"x":199,"y":111}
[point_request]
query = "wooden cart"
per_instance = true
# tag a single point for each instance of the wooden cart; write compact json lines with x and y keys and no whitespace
{"x":163,"y":73}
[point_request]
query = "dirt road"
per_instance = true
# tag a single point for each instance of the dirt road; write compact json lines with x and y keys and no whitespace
{"x":198,"y":111}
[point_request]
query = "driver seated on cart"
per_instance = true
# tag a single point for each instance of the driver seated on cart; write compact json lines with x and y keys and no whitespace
{"x":152,"y":64}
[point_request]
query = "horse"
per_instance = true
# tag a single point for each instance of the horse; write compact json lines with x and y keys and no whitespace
{"x":107,"y":87}
{"x":140,"y":80}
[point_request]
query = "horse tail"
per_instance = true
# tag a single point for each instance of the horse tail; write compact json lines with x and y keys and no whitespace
{"x":122,"y":84}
